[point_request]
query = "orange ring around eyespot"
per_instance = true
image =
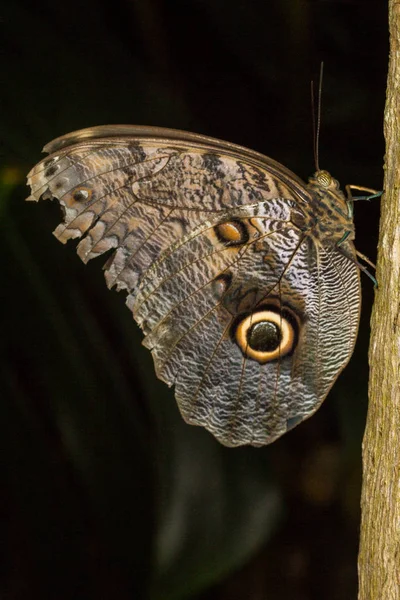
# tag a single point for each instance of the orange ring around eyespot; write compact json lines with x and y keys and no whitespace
{"x":286,"y":330}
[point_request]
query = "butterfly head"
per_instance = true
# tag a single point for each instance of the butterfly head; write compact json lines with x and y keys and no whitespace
{"x":332,"y":212}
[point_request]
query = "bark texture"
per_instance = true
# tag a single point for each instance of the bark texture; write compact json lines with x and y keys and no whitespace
{"x":379,"y":556}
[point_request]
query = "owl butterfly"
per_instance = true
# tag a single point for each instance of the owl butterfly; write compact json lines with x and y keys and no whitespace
{"x":242,"y":277}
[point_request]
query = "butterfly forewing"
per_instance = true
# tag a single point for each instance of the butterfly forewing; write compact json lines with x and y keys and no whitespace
{"x":244,"y":310}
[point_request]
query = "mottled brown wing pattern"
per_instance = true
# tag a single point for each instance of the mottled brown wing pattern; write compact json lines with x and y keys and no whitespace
{"x":244,"y":309}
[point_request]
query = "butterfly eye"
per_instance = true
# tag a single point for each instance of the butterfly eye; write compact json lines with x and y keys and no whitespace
{"x":324,"y":178}
{"x":266,"y":335}
{"x":232,"y":233}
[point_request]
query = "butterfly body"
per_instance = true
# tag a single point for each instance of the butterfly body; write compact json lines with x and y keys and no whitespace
{"x":239,"y":273}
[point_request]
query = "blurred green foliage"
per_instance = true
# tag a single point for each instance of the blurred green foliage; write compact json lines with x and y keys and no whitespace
{"x":107,"y":493}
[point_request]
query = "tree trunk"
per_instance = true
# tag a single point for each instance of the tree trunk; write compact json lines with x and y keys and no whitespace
{"x":379,"y":556}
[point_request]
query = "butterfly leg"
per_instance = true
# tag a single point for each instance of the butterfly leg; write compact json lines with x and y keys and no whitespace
{"x":372,"y":193}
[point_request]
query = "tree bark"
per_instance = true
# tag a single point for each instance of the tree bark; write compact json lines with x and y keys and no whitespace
{"x":379,"y":556}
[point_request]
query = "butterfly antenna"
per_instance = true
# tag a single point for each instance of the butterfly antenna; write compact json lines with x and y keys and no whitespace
{"x":317,"y":121}
{"x":313,"y":124}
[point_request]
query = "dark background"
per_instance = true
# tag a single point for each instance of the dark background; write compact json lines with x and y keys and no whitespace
{"x":106,"y":492}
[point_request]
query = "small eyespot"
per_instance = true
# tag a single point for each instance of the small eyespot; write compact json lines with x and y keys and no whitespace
{"x":232,"y":233}
{"x":266,"y":335}
{"x":50,"y":171}
{"x":82,"y":194}
{"x":221,"y":284}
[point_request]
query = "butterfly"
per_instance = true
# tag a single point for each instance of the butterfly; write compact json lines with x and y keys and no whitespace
{"x":243,"y":278}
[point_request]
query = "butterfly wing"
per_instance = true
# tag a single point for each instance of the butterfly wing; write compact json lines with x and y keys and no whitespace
{"x":242,"y":310}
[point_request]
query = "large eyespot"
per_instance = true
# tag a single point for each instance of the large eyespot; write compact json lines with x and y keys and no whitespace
{"x":232,"y":233}
{"x":268,"y":334}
